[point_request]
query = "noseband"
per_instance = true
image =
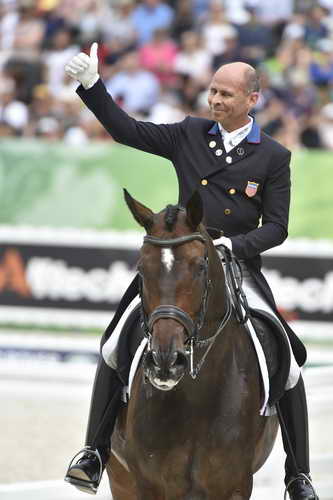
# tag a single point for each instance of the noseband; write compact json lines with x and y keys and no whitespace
{"x":191,"y":327}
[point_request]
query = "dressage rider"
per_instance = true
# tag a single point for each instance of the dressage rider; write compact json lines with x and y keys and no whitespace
{"x":243,"y":177}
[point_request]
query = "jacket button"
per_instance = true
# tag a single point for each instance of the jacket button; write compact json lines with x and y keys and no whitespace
{"x":232,"y":191}
{"x":204,"y":182}
{"x":227,"y":211}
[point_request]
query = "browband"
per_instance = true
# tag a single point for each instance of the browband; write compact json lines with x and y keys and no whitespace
{"x":173,"y":242}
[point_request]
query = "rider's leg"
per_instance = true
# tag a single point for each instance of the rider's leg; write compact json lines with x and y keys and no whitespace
{"x":294,"y":416}
{"x":85,"y":473}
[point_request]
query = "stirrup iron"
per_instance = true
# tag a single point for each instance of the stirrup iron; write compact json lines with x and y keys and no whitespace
{"x":300,"y":475}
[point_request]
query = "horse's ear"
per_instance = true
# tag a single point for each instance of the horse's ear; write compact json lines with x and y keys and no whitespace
{"x":142,"y":214}
{"x":194,"y":210}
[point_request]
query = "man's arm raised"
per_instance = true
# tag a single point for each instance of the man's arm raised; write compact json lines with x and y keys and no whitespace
{"x":162,"y":140}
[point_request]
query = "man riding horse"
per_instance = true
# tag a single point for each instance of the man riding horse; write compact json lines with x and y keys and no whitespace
{"x":243,"y":178}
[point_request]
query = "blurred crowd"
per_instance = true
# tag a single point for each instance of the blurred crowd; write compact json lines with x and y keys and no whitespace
{"x":157,"y":58}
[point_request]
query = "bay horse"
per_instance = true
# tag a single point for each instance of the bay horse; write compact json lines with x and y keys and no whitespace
{"x":192,"y":429}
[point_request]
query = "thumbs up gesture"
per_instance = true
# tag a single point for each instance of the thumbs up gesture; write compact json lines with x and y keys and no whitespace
{"x":84,"y":68}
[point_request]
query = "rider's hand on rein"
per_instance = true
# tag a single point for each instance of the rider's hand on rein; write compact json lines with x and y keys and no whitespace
{"x":84,"y":68}
{"x":223,"y":241}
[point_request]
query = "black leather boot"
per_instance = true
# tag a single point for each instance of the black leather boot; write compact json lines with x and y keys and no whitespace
{"x":293,"y":416}
{"x":86,"y":472}
{"x":301,"y":488}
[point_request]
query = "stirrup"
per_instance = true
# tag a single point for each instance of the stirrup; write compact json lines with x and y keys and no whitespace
{"x":81,"y":483}
{"x":300,"y":475}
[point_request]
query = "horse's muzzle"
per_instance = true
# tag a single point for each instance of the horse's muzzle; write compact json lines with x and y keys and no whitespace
{"x":165,"y":372}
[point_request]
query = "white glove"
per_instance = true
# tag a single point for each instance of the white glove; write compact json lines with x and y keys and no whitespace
{"x":84,"y":68}
{"x":223,"y":241}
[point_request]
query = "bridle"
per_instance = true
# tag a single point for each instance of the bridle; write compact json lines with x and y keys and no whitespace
{"x":192,"y":327}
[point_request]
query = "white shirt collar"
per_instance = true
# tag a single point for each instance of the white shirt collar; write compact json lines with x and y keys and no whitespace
{"x":236,"y":136}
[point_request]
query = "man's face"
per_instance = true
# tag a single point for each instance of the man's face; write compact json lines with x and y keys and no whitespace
{"x":228,"y":100}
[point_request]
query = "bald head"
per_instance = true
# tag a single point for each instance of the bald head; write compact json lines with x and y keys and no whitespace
{"x":233,"y":93}
{"x":241,"y":74}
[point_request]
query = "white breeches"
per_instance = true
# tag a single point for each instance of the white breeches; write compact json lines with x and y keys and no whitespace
{"x":110,"y":348}
{"x":255,"y":301}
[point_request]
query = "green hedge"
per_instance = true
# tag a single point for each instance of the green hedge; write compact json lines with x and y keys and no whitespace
{"x":44,"y":184}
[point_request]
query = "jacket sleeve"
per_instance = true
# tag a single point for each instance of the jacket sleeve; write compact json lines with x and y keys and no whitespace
{"x":161,"y":140}
{"x":275,"y":213}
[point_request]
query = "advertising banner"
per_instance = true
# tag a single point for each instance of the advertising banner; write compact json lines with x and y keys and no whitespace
{"x":66,"y":277}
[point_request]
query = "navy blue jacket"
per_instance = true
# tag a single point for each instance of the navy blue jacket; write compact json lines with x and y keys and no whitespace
{"x":246,"y":192}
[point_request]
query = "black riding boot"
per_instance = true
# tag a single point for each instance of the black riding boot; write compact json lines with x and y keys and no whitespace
{"x":294,"y":415}
{"x":86,"y":472}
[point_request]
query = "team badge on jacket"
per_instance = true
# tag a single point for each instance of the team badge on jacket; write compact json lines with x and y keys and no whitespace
{"x":251,"y":188}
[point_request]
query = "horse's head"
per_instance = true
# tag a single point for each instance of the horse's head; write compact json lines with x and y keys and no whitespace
{"x":173,"y":266}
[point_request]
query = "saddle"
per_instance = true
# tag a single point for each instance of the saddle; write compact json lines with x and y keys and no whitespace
{"x":268,"y":330}
{"x":276,"y":349}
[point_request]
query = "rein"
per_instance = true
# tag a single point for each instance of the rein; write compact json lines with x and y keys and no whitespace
{"x":191,"y":327}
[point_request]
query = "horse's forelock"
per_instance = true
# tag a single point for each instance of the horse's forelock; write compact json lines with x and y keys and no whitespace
{"x":171,"y":216}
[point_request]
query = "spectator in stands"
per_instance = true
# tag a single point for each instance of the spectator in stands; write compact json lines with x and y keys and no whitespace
{"x":216,"y":29}
{"x":272,"y":12}
{"x":8,"y":22}
{"x":315,"y":27}
{"x":200,"y":8}
{"x":184,"y":19}
{"x":119,"y":25}
{"x":270,"y":106}
{"x":321,"y":66}
{"x":231,"y":51}
{"x":168,"y":109}
{"x":42,"y":106}
{"x":189,"y":92}
{"x":24,"y":65}
{"x":193,"y":60}
{"x":36,"y":35}
{"x":325,"y":126}
{"x":158,"y":56}
{"x":149,"y":16}
{"x":295,"y":28}
{"x":29,"y":31}
{"x":13,"y":113}
{"x":135,"y":89}
{"x":61,"y":50}
{"x":255,"y":39}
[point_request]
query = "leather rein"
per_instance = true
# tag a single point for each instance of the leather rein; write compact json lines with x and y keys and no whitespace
{"x":192,"y":327}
